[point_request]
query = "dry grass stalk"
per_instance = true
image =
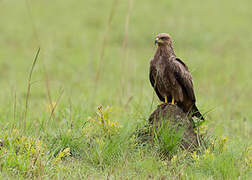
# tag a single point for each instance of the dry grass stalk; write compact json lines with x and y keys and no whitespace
{"x":28,"y":5}
{"x":29,"y":87}
{"x":70,"y":109}
{"x":111,"y":16}
{"x":15,"y":105}
{"x":124,"y":46}
{"x":55,"y":105}
{"x":48,"y":87}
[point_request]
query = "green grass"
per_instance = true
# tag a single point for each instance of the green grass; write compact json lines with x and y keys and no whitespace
{"x":213,"y":38}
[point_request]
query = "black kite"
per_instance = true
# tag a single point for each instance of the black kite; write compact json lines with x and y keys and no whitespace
{"x":170,"y":77}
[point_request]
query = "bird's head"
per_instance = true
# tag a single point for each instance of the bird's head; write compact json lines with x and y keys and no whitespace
{"x":163,"y":39}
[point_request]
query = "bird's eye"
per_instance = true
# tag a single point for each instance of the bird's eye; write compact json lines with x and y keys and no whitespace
{"x":163,"y":38}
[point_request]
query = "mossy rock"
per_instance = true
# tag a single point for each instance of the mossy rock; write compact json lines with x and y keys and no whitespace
{"x":174,"y":117}
{"x":169,"y":121}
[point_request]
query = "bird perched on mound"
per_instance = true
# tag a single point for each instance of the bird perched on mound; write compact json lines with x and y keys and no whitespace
{"x":170,"y":77}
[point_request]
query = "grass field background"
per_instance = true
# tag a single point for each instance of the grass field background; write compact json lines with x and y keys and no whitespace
{"x":97,"y":53}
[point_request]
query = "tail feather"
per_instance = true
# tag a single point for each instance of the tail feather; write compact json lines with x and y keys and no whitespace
{"x":196,"y":113}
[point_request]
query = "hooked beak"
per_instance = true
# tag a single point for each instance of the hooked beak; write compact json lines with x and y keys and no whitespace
{"x":156,"y":41}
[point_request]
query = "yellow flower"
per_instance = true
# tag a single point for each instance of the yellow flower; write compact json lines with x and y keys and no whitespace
{"x":174,"y":159}
{"x":184,"y":153}
{"x":112,"y":124}
{"x":203,"y":129}
{"x":224,"y":138}
{"x":90,"y":119}
{"x":99,"y":108}
{"x":208,"y":155}
{"x":64,"y":153}
{"x":249,"y":156}
{"x":67,"y":152}
{"x":195,"y":156}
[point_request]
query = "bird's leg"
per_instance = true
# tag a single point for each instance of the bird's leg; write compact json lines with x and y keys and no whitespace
{"x":165,"y":100}
{"x":173,"y":101}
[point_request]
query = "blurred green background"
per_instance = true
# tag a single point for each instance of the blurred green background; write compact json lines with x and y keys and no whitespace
{"x":213,"y":38}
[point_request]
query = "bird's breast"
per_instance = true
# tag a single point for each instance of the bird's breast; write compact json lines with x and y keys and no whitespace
{"x":160,"y":66}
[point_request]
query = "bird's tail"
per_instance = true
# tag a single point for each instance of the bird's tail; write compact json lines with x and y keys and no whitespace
{"x":196,"y":113}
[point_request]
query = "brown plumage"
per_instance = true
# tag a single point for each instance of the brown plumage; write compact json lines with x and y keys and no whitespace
{"x":170,"y":77}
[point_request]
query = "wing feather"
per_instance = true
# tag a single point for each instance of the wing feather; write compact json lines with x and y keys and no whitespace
{"x":181,"y":62}
{"x":184,"y":78}
{"x":153,"y":79}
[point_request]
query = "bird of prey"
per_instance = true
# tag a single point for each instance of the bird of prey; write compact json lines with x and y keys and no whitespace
{"x":170,"y":77}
